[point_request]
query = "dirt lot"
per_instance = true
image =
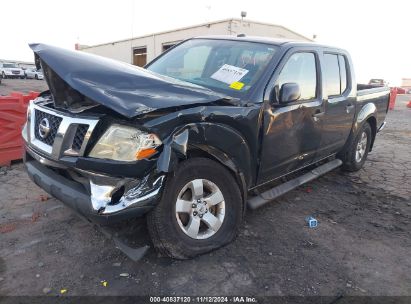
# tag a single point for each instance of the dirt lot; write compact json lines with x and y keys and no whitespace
{"x":361,"y":246}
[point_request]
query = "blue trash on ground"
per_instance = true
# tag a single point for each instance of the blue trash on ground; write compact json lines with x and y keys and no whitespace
{"x":311,"y":221}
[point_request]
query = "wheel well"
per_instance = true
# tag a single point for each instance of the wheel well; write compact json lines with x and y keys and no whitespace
{"x":373,"y":124}
{"x":238,"y":176}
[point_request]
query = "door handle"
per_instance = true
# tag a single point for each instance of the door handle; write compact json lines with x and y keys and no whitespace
{"x":318,"y":113}
{"x":349,"y":107}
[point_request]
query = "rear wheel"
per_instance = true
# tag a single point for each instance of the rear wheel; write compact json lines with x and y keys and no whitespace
{"x":357,"y":150}
{"x":200,"y":210}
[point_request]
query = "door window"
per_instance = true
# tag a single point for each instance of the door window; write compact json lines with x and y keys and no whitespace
{"x":335,"y":74}
{"x":301,"y":69}
{"x":343,"y":73}
{"x":332,"y":75}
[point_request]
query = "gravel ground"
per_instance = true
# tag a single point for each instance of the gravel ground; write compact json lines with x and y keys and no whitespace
{"x":361,"y":246}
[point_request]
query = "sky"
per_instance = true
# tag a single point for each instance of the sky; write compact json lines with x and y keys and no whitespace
{"x":376,"y":33}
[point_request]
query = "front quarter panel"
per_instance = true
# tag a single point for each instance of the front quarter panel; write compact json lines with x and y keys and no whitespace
{"x":228,"y":133}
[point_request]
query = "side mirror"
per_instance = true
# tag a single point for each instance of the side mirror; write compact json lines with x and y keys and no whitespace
{"x":289,"y":92}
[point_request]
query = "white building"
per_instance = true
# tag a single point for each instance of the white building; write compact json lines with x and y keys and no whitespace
{"x":140,"y":50}
{"x":406,"y":83}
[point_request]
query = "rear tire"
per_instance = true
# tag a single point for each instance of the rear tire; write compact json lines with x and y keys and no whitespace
{"x":357,"y":149}
{"x":220,"y":198}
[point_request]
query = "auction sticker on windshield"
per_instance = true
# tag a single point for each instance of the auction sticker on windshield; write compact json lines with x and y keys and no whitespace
{"x":237,"y":85}
{"x":229,"y":74}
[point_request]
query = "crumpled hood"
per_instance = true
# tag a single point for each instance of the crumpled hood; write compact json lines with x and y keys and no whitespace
{"x":124,"y":88}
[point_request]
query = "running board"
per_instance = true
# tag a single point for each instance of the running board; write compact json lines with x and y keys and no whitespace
{"x":267,"y":196}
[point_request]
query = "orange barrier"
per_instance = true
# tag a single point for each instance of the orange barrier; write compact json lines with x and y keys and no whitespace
{"x":13,"y":110}
{"x":409,"y":104}
{"x":393,"y":96}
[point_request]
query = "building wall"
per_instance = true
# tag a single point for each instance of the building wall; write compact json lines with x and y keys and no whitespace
{"x":123,"y":50}
{"x":406,"y":83}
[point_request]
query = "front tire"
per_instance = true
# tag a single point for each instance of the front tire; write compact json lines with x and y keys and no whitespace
{"x":200,"y":210}
{"x":357,"y":150}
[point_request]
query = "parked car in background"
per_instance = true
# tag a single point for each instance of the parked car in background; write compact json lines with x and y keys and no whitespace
{"x":378,"y":82}
{"x":33,"y":73}
{"x":11,"y":70}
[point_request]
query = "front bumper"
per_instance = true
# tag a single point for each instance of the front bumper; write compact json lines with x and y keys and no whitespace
{"x":14,"y":75}
{"x":100,"y":198}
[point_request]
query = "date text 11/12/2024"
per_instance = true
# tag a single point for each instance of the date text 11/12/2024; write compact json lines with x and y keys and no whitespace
{"x":203,"y":299}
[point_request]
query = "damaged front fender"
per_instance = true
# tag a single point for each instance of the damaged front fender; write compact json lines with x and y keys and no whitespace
{"x":219,"y":141}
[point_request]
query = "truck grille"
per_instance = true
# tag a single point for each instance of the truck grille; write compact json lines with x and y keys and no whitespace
{"x":54,"y":123}
{"x":56,"y":134}
{"x":79,"y":137}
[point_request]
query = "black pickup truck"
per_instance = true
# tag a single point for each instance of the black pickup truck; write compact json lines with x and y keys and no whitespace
{"x":190,"y":140}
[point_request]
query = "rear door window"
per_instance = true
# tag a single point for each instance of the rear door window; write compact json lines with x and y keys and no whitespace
{"x":343,"y":73}
{"x":335,"y":74}
{"x":332,"y":75}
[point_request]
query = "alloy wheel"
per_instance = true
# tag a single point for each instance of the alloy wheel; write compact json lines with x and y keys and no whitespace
{"x":361,"y":147}
{"x":200,"y":209}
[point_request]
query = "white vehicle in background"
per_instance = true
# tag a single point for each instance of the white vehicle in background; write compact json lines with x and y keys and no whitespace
{"x":11,"y":70}
{"x":33,"y":73}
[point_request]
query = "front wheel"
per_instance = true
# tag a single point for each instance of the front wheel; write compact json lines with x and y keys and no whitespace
{"x":357,"y":150}
{"x":200,"y":210}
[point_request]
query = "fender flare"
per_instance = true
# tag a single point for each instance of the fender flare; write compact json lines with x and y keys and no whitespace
{"x":367,"y":111}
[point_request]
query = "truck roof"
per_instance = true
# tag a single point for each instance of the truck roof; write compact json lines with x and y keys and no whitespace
{"x":269,"y":40}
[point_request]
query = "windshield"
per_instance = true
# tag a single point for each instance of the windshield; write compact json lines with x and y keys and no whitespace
{"x":224,"y":65}
{"x":10,"y":65}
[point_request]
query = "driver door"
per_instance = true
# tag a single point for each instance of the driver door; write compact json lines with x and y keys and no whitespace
{"x":292,"y":131}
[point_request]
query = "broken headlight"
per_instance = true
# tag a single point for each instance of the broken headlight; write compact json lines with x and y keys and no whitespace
{"x":125,"y":144}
